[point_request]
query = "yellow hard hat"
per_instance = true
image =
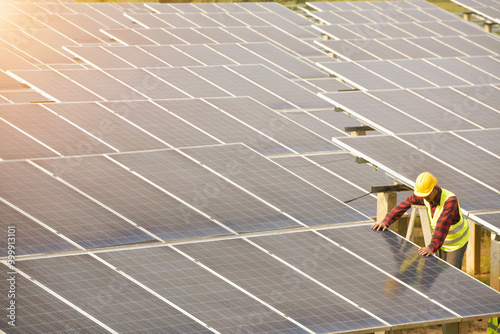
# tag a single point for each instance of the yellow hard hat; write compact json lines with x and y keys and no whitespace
{"x":424,"y":184}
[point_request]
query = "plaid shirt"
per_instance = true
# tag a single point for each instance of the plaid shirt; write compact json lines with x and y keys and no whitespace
{"x":449,"y":216}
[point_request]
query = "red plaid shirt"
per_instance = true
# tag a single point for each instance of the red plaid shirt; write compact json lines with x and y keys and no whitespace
{"x":449,"y":216}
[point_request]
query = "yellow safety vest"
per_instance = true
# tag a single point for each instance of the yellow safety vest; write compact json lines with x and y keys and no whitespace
{"x":458,"y":235}
{"x":493,"y":327}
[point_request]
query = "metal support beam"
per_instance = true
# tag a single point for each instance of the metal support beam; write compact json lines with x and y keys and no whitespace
{"x":495,"y":261}
{"x":473,"y":253}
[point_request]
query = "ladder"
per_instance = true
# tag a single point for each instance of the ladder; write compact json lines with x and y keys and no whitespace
{"x":424,"y":220}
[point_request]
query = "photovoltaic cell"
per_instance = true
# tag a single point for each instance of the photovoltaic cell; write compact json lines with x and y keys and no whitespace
{"x":288,"y":42}
{"x":407,"y":161}
{"x":146,"y":84}
{"x":52,"y":130}
{"x":56,"y":85}
{"x":16,"y":145}
{"x":223,"y":126}
{"x":11,"y":61}
{"x":479,"y":164}
{"x":98,"y":57}
{"x":471,"y":74}
{"x":290,"y":292}
{"x":396,"y":74}
{"x":128,"y":37}
{"x":101,"y":84}
{"x":29,"y":236}
{"x":312,"y":123}
{"x":135,"y":199}
{"x":171,"y":55}
{"x":205,"y":55}
{"x":330,"y":183}
{"x":135,"y":56}
{"x":273,"y":124}
{"x":105,"y":125}
{"x":199,"y":292}
{"x":462,"y":105}
{"x":238,"y":86}
{"x":487,"y":139}
{"x":430,"y":72}
{"x":189,"y":35}
{"x":200,"y":19}
{"x":486,"y":41}
{"x":435,"y":46}
{"x":427,"y":112}
{"x":487,"y":64}
{"x":346,"y":50}
{"x":275,"y":185}
{"x":108,"y":296}
{"x":487,"y":94}
{"x":429,"y":275}
{"x":379,"y":114}
{"x":407,"y":48}
{"x":176,"y":20}
{"x":354,"y":279}
{"x":41,"y":311}
{"x":160,"y":123}
{"x":206,"y":191}
{"x":281,"y":86}
{"x":219,"y":35}
{"x":358,"y":76}
{"x":63,"y":209}
{"x":493,"y":218}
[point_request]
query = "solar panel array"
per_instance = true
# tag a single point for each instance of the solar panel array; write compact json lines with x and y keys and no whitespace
{"x":170,"y":167}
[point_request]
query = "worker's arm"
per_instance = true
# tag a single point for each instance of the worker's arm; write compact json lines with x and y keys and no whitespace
{"x":397,"y":212}
{"x":449,"y":216}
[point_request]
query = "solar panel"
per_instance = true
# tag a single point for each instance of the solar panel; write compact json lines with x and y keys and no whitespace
{"x":101,"y":84}
{"x":488,"y":42}
{"x":136,"y":56}
{"x":221,"y":125}
{"x":468,"y":73}
{"x":479,"y":164}
{"x":199,"y":292}
{"x":171,"y":55}
{"x":314,"y":124}
{"x":30,"y":237}
{"x":207,"y":192}
{"x":487,"y":139}
{"x":41,"y":311}
{"x":53,"y":131}
{"x":288,"y":42}
{"x":396,"y":74}
{"x":491,"y":218}
{"x":175,"y":20}
{"x":63,"y":209}
{"x":23,"y":96}
{"x":486,"y":94}
{"x":376,"y":113}
{"x":462,"y":105}
{"x":97,"y":57}
{"x":135,"y":199}
{"x":106,"y":126}
{"x":219,"y":35}
{"x":420,"y":108}
{"x":85,"y":23}
{"x":437,"y":47}
{"x":354,"y":74}
{"x":161,"y":124}
{"x":108,"y":296}
{"x":407,"y":48}
{"x":201,"y":20}
{"x":329,"y":182}
{"x":430,"y":72}
{"x":400,"y":259}
{"x":280,"y":86}
{"x":149,"y":20}
{"x":486,"y":64}
{"x":146,"y":84}
{"x":404,"y":160}
{"x":128,"y":37}
{"x":283,"y":288}
{"x":189,"y":35}
{"x":160,"y":36}
{"x":284,"y":24}
{"x":205,"y":55}
{"x":11,"y":61}
{"x":238,"y":86}
{"x":378,"y":49}
{"x":273,"y":124}
{"x":275,"y":185}
{"x":225,"y":19}
{"x":354,"y":279}
{"x":65,"y":27}
{"x":188,"y":82}
{"x":241,"y":54}
{"x":328,"y":84}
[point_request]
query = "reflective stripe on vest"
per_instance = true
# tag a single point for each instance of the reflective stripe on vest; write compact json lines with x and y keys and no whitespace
{"x":458,"y":235}
{"x":493,"y":327}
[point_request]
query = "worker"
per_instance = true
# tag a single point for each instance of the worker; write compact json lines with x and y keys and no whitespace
{"x":450,"y":228}
{"x":493,"y":326}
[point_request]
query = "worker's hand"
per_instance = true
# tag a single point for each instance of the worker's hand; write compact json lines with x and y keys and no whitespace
{"x":379,"y":226}
{"x":425,"y":251}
